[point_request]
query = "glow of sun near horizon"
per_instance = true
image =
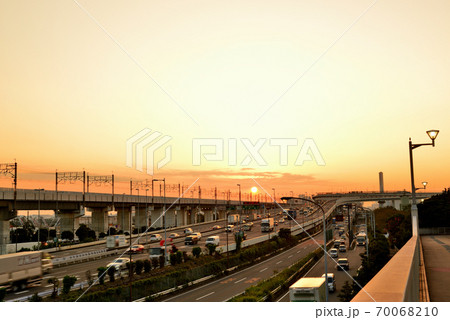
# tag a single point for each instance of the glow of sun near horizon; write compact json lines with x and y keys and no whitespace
{"x":254,"y":189}
{"x":71,"y":97}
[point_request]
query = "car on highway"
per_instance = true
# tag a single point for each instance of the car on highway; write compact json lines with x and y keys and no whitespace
{"x":342,"y":248}
{"x":187,"y":231}
{"x":343,"y":264}
{"x":337,"y":243}
{"x":155,"y":237}
{"x":331,"y":282}
{"x":276,"y":223}
{"x":213,"y":240}
{"x":190,"y":240}
{"x":334,"y":253}
{"x":198,"y":234}
{"x":174,"y":235}
{"x":247,"y":226}
{"x":229,"y":228}
{"x":137,"y":248}
{"x":281,"y":220}
{"x":119,"y":264}
{"x":216,"y":227}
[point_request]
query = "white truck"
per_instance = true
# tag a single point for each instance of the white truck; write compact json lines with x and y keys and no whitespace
{"x":267,"y":225}
{"x":361,"y":239}
{"x":308,"y":290}
{"x":18,"y":270}
{"x":116,"y":241}
{"x":233,"y":219}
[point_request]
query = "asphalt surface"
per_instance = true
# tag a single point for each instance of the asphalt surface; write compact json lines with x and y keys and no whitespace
{"x":436,"y":252}
{"x":79,"y":270}
{"x":318,"y":269}
{"x":234,"y":284}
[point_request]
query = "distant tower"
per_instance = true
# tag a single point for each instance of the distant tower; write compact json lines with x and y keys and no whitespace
{"x":380,"y":174}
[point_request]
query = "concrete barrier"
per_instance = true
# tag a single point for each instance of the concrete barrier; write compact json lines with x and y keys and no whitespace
{"x":398,"y":281}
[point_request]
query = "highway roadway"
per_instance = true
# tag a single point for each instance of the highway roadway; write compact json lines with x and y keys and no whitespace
{"x":236,"y":283}
{"x":79,"y":269}
{"x":318,"y":269}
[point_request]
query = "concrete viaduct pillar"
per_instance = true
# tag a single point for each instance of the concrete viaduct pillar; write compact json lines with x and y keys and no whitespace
{"x":140,"y":218}
{"x":100,"y":220}
{"x":5,"y":216}
{"x":123,"y":218}
{"x":69,"y":220}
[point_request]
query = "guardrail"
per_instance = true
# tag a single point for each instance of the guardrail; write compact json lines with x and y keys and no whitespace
{"x":85,"y":256}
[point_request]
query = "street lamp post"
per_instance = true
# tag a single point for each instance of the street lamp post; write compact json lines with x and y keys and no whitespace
{"x":166,"y":257}
{"x":123,"y":212}
{"x":146,"y":216}
{"x":324,"y":239}
{"x":138,"y":216}
{"x":240,"y":204}
{"x":414,"y":213}
{"x":39,"y":216}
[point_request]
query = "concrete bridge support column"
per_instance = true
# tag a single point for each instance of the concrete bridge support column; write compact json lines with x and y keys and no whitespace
{"x":4,"y":236}
{"x":4,"y":228}
{"x":123,"y":218}
{"x":156,"y":220}
{"x":209,"y":215}
{"x":100,"y":220}
{"x":69,"y":221}
{"x":170,"y":216}
{"x":140,"y":219}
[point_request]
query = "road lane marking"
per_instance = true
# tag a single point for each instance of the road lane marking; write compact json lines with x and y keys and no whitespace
{"x":290,"y":256}
{"x":252,"y":280}
{"x":279,"y":262}
{"x":20,"y":292}
{"x":205,"y":296}
{"x":228,"y":280}
{"x":279,"y":300}
{"x":50,"y":285}
{"x":217,"y":281}
{"x":241,"y":280}
{"x":263,"y":270}
{"x":299,"y":251}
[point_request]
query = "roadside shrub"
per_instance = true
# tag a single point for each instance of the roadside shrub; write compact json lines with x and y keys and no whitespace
{"x":196,"y":251}
{"x":179,"y":256}
{"x":211,"y":248}
{"x":101,"y":274}
{"x":89,"y":279}
{"x":35,"y":298}
{"x":131,"y":266}
{"x":101,"y":235}
{"x":111,"y":274}
{"x":185,"y":256}
{"x":139,"y":266}
{"x":161,"y":261}
{"x":68,"y":282}
{"x":55,"y":282}
{"x":155,"y":263}
{"x":147,"y":266}
{"x":2,"y":293}
{"x":173,"y":259}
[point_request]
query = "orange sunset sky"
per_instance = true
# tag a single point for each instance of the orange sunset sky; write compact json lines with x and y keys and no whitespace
{"x":79,"y":78}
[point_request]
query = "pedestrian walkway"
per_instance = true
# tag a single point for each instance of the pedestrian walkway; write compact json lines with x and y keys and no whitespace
{"x":436,"y":251}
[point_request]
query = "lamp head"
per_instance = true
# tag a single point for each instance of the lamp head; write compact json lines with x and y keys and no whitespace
{"x":433,"y":135}
{"x":424,"y":184}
